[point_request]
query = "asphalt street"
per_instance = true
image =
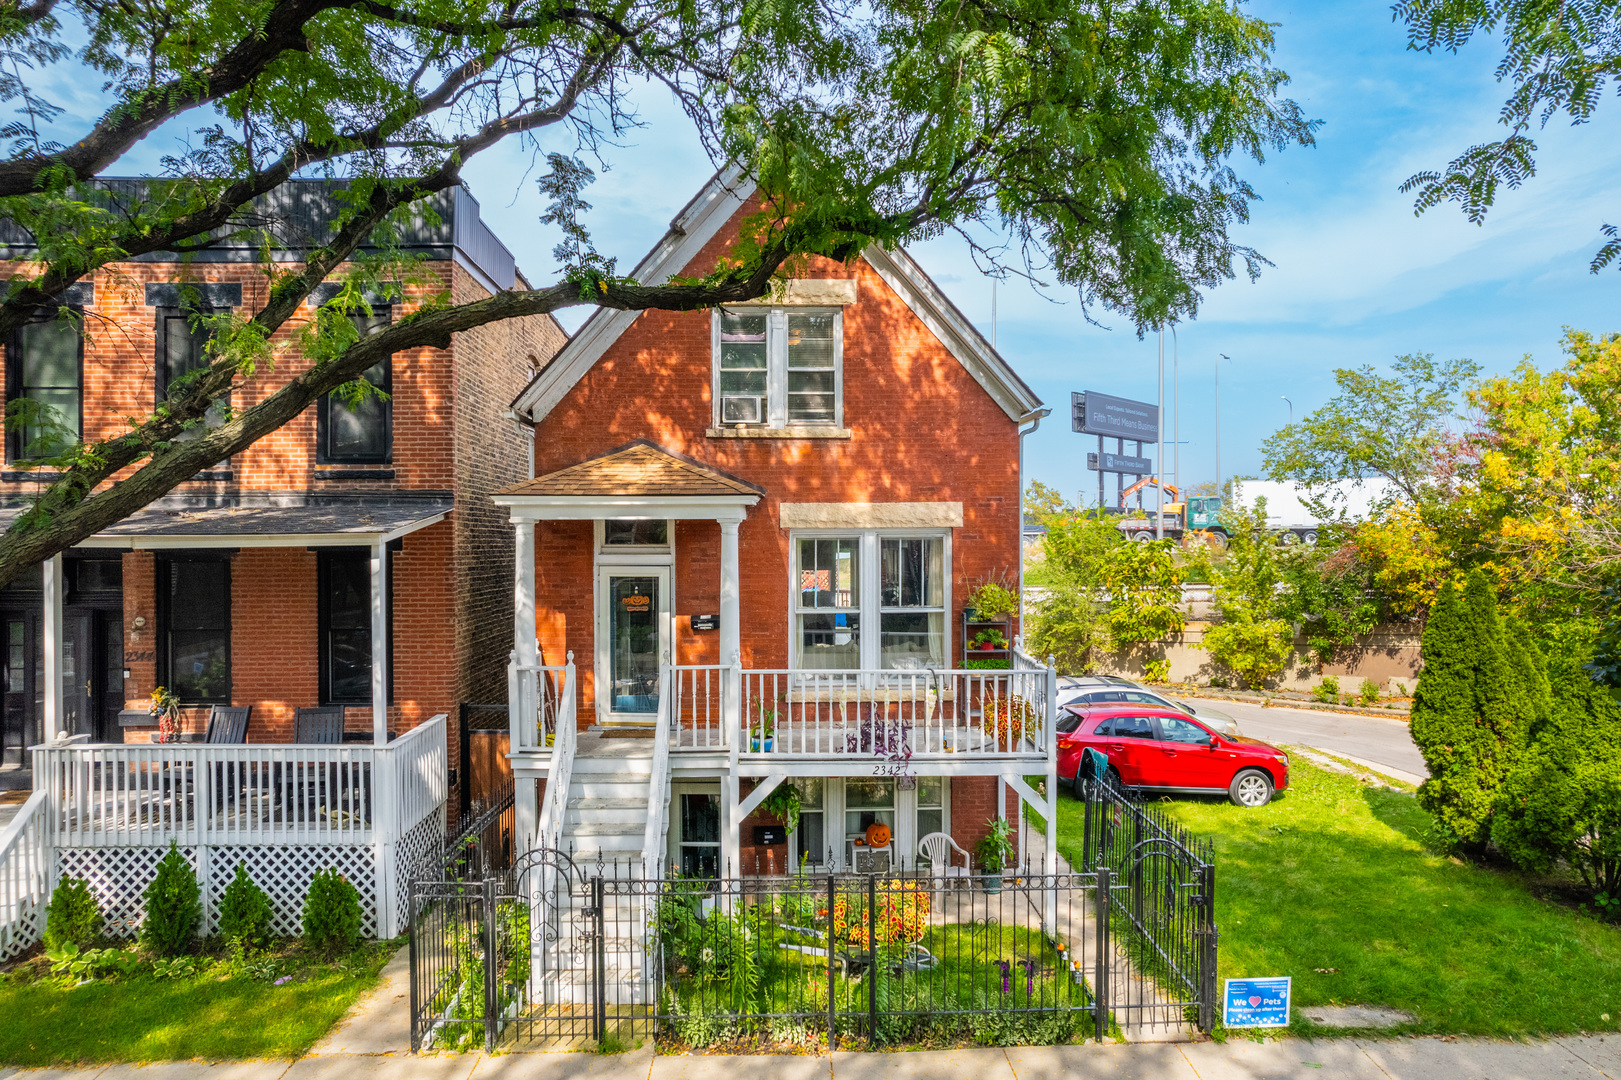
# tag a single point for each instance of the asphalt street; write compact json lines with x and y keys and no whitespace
{"x":1370,"y":740}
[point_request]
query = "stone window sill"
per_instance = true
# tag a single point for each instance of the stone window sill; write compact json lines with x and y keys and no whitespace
{"x":325,"y":472}
{"x":778,"y":433}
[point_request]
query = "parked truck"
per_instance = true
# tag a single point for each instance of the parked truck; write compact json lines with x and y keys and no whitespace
{"x":1287,"y":511}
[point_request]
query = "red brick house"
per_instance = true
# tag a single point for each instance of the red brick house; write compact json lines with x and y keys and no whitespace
{"x":748,"y":540}
{"x":351,"y":559}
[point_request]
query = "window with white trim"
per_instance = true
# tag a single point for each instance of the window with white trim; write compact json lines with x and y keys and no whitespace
{"x":892,"y":585}
{"x":779,"y":367}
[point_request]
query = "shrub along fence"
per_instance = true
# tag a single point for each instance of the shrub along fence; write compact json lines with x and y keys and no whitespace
{"x":560,"y":955}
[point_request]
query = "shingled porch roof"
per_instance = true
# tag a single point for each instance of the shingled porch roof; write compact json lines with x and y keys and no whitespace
{"x":640,"y":469}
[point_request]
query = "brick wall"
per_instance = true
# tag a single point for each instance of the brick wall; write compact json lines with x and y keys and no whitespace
{"x":493,"y":363}
{"x":923,"y":430}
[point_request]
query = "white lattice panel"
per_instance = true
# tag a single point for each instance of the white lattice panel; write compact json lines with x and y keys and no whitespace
{"x":117,"y":876}
{"x":418,"y":851}
{"x":27,"y":927}
{"x":285,"y":873}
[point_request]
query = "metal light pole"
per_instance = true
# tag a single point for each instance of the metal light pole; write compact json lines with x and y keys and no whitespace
{"x":1291,"y":408}
{"x":1159,"y":488}
{"x":1219,"y":492}
{"x":1176,"y":403}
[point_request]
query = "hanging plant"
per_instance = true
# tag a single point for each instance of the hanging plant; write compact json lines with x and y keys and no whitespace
{"x":783,"y":804}
{"x":165,"y":708}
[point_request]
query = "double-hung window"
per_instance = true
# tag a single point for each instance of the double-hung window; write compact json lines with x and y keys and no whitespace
{"x":870,"y":599}
{"x":45,"y":367}
{"x":183,"y":337}
{"x":343,"y":579}
{"x":359,"y":429}
{"x":779,"y":367}
{"x":194,"y":613}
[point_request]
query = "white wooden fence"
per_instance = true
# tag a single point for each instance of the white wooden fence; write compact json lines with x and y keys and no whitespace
{"x":108,"y":813}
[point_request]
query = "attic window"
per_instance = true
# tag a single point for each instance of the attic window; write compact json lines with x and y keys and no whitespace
{"x":779,"y":367}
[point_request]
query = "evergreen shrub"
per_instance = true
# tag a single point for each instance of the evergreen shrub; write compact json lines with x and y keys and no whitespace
{"x":245,"y":912}
{"x":72,"y":917}
{"x":331,"y":913}
{"x":174,"y":906}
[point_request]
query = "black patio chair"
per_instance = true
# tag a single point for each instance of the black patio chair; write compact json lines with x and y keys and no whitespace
{"x":322,"y":726}
{"x":228,"y":725}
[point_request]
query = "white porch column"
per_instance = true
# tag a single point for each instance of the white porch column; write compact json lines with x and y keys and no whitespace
{"x":731,"y":654}
{"x":379,"y":642}
{"x":55,"y":587}
{"x":521,"y":705}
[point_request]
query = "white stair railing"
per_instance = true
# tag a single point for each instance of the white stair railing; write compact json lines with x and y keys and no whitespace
{"x":658,"y":784}
{"x":554,"y":810}
{"x":25,"y":877}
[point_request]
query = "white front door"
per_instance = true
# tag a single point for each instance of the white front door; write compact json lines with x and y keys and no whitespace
{"x":633,"y":635}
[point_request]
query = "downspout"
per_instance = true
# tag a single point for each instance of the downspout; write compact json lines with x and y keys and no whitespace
{"x":1034,"y":416}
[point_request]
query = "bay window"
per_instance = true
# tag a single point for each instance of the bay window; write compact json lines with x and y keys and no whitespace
{"x":892,"y":582}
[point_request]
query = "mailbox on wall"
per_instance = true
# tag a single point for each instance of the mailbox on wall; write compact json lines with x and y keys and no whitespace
{"x":769,"y":835}
{"x":705,"y":622}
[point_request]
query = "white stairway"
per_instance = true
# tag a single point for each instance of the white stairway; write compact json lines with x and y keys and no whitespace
{"x":603,"y":832}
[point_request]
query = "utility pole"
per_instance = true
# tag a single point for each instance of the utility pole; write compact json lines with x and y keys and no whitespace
{"x":1159,"y":488}
{"x":1176,"y":400}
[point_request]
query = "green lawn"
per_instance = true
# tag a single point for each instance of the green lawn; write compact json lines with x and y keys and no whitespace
{"x":1332,"y":884}
{"x":149,"y":1019}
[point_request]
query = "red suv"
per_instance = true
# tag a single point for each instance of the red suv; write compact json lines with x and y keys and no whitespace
{"x":1170,"y":751}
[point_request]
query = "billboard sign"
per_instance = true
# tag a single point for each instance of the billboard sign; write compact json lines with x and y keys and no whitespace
{"x":1120,"y":463}
{"x":1119,"y":418}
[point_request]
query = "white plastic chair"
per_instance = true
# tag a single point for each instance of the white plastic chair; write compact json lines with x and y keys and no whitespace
{"x":937,"y":847}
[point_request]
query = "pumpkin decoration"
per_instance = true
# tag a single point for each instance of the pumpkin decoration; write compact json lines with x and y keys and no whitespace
{"x":877,"y":834}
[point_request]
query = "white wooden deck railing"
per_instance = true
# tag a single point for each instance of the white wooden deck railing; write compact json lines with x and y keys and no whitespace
{"x":539,"y":695}
{"x":147,"y":795}
{"x":909,"y":714}
{"x":25,"y":877}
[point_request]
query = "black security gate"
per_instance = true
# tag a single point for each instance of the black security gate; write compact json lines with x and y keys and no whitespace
{"x":555,"y":955}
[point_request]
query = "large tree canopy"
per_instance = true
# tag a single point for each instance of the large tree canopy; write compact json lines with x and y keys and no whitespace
{"x":1098,"y":137}
{"x":1558,"y":57}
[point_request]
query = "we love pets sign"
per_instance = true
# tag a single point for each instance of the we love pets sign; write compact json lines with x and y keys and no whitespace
{"x":1256,"y":1003}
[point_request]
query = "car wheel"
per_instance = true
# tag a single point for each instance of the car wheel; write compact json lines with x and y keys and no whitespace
{"x":1250,"y":788}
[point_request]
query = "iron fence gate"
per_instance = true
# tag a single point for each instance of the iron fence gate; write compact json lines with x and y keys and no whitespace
{"x":562,"y":956}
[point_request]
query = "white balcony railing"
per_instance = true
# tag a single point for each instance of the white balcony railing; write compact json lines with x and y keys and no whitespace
{"x":544,"y":724}
{"x":887,"y":714}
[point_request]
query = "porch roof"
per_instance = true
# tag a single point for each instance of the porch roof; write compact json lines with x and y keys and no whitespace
{"x":638,"y":479}
{"x":304,"y":523}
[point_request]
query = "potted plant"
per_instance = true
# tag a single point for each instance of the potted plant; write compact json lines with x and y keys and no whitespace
{"x":783,"y":804}
{"x":762,"y":733}
{"x":993,"y":851}
{"x":989,"y":639}
{"x":165,"y":709}
{"x":992,"y":598}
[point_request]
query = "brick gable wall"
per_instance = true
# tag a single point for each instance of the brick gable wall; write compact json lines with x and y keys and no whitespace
{"x":922,"y":429}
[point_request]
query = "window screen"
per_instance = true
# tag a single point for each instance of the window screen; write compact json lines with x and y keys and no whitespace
{"x":811,"y":369}
{"x":44,"y":367}
{"x":744,"y":369}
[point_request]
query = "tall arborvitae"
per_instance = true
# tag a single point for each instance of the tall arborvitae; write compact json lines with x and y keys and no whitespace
{"x":1468,"y":718}
{"x":1533,"y":696}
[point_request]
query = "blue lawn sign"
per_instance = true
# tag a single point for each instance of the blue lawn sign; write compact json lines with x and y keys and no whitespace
{"x":1256,"y":1003}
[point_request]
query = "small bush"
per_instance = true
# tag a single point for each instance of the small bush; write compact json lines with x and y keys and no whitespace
{"x":72,"y":917}
{"x":1157,"y":671}
{"x":331,"y":913}
{"x":1369,"y":692}
{"x":1327,"y":691}
{"x":244,"y":910}
{"x":173,"y":906}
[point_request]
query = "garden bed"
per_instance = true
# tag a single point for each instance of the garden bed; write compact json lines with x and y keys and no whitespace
{"x":758,"y":979}
{"x":271,"y":1003}
{"x":1334,"y":885}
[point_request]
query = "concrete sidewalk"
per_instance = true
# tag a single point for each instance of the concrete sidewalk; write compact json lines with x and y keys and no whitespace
{"x":1592,"y":1057}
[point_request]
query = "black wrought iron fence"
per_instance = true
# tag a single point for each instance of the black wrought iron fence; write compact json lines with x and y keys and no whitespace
{"x":1163,"y":902}
{"x":558,"y":955}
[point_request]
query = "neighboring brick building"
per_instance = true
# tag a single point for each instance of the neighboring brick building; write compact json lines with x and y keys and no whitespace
{"x":808,"y":486}
{"x":252,"y":584}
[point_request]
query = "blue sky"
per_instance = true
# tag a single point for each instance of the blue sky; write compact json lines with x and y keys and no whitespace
{"x":1357,"y":278}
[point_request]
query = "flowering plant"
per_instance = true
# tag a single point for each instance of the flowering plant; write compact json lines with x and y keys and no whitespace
{"x":166,"y":708}
{"x":1007,"y":719}
{"x":901,"y":919}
